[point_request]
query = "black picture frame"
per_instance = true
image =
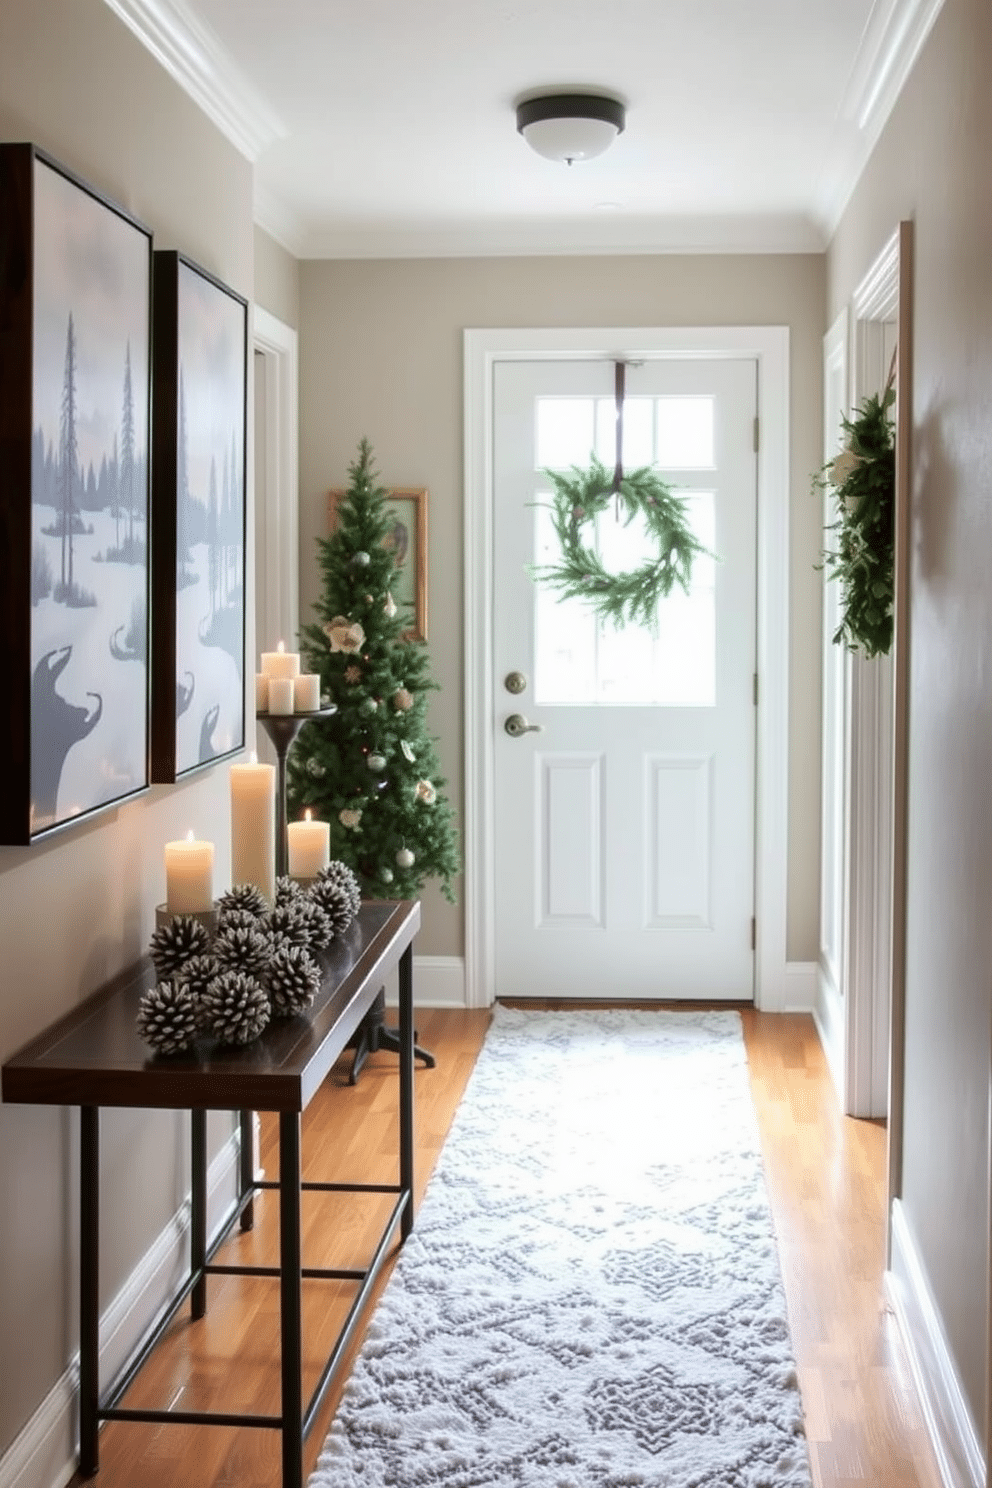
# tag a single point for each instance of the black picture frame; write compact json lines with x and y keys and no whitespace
{"x":75,"y":412}
{"x":199,"y":449}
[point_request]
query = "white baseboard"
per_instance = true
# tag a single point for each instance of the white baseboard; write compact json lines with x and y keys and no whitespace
{"x":43,"y":1454}
{"x":956,"y":1443}
{"x":438,"y":982}
{"x":800,"y":987}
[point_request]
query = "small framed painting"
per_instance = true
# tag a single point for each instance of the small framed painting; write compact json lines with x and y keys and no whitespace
{"x":199,"y":436}
{"x":406,"y":512}
{"x":75,"y":391}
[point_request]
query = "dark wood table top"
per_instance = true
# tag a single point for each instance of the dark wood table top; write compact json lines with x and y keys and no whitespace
{"x":95,"y":1057}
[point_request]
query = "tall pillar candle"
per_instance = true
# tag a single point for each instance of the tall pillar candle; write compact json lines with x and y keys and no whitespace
{"x":280,"y":663}
{"x":253,"y":826}
{"x":189,"y":876}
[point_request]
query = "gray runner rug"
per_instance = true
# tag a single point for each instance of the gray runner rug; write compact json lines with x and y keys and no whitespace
{"x":591,"y":1297}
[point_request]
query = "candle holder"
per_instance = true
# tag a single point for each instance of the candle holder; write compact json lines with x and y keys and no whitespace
{"x":207,"y":917}
{"x":282,"y":729}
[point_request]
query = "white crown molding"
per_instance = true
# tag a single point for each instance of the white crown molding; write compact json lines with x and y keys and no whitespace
{"x":191,"y":53}
{"x":892,"y":41}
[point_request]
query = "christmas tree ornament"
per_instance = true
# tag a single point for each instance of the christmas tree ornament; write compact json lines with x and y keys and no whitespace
{"x":168,"y":1017}
{"x":350,"y":818}
{"x":376,"y":763}
{"x":344,"y":634}
{"x":247,"y":897}
{"x":405,"y":858}
{"x":242,"y":949}
{"x":361,"y":559}
{"x":407,"y":749}
{"x":425,"y":791}
{"x":390,"y":605}
{"x":352,"y":675}
{"x":235,"y":1008}
{"x":315,"y":769}
{"x":173,"y":943}
{"x":367,"y":707}
{"x":402,"y":700}
{"x":292,"y":981}
{"x":386,"y":874}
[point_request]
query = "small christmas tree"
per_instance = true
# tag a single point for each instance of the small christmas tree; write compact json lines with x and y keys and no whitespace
{"x":372,"y":770}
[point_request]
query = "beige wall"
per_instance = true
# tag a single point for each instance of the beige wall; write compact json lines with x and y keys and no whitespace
{"x":277,"y":279}
{"x":76,"y":908}
{"x":932,"y":165}
{"x":381,"y":355}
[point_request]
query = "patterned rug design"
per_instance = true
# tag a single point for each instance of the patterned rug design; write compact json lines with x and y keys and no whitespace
{"x":591,"y":1297}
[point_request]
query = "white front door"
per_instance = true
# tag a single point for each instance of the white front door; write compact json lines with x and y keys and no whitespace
{"x":624,"y":828}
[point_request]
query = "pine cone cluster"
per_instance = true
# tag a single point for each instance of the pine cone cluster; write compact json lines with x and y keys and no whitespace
{"x":259,"y":964}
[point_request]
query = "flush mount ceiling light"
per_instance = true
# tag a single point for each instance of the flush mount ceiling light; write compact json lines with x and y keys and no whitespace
{"x":570,"y":126}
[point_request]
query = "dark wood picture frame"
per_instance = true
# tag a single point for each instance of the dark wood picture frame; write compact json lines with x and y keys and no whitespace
{"x":408,"y":538}
{"x":75,"y":411}
{"x":199,"y":451}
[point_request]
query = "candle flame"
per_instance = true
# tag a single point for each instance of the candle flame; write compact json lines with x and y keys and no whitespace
{"x":190,"y":835}
{"x":253,"y":757}
{"x":307,"y":814}
{"x":281,"y":646}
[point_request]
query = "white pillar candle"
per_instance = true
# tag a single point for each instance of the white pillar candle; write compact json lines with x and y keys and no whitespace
{"x":308,"y":847}
{"x":306,"y":692}
{"x":189,"y":876}
{"x":261,"y":692}
{"x":280,"y":663}
{"x":280,"y":694}
{"x":253,"y":825}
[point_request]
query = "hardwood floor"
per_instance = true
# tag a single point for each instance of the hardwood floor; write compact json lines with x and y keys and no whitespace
{"x":826,"y":1181}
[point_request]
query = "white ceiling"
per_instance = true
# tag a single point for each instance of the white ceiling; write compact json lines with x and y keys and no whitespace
{"x":380,"y":128}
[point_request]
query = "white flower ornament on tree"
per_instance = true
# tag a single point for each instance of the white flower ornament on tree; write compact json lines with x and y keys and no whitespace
{"x":350,"y":818}
{"x":425,"y":792}
{"x":344,"y":634}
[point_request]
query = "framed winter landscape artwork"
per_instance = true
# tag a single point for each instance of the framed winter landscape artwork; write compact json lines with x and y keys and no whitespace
{"x":75,"y":384}
{"x":198,"y":466}
{"x":407,"y":538}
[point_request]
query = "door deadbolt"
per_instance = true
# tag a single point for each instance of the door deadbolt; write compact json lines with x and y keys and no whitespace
{"x":515,"y":682}
{"x":517,"y":725}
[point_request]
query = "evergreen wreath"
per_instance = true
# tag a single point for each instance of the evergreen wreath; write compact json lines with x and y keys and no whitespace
{"x":578,"y":498}
{"x":863,"y":479}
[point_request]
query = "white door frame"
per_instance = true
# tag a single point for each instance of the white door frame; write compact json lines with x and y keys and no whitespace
{"x":277,"y":485}
{"x":769,"y":346}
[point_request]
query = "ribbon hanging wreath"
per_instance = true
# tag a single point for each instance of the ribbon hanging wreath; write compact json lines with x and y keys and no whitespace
{"x":863,"y":479}
{"x":579,"y":497}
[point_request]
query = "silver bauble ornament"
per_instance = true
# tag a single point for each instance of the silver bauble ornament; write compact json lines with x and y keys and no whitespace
{"x":386,"y":874}
{"x":361,"y":559}
{"x":405,"y":858}
{"x":376,"y":762}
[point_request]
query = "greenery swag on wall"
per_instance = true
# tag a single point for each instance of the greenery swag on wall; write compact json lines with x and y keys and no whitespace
{"x":863,"y":479}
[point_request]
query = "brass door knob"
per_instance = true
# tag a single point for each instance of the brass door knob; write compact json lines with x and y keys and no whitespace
{"x":516,"y":725}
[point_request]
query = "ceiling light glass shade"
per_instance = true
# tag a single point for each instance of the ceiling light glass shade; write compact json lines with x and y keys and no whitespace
{"x":570,"y":126}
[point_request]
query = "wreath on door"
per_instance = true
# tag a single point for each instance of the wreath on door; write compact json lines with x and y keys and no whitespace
{"x":863,"y":479}
{"x":580,"y":496}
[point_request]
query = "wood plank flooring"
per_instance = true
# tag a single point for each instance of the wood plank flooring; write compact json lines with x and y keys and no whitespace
{"x":826,"y":1182}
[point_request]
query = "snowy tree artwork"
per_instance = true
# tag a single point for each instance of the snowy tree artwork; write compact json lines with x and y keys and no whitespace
{"x":199,"y":466}
{"x":83,"y":422}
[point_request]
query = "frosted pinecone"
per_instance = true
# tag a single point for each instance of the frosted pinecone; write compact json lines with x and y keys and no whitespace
{"x":247,"y":896}
{"x":243,"y":948}
{"x":292,"y":980}
{"x":237,"y":919}
{"x":288,"y":891}
{"x":286,"y":925}
{"x":319,"y":924}
{"x":172,"y":944}
{"x":334,"y":900}
{"x":198,"y":972}
{"x":235,"y":1008}
{"x":339,"y":872}
{"x":168,"y":1017}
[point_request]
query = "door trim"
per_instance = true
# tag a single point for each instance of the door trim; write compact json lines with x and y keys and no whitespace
{"x":768,"y":346}
{"x":277,"y":484}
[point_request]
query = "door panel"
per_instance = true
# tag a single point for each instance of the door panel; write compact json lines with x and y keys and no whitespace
{"x":625,"y":819}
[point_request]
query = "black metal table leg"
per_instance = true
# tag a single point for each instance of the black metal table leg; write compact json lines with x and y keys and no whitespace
{"x":89,"y":1289}
{"x":247,"y":1168}
{"x":406,"y":1052}
{"x":291,"y":1304}
{"x":198,"y":1210}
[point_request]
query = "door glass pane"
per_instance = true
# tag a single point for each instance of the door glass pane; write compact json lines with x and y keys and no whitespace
{"x":578,"y":659}
{"x":685,"y":433}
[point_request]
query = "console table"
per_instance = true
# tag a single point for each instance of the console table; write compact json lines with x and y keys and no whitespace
{"x":93,"y":1057}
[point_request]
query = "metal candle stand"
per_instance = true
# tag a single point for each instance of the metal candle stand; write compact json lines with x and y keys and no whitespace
{"x":282,"y":729}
